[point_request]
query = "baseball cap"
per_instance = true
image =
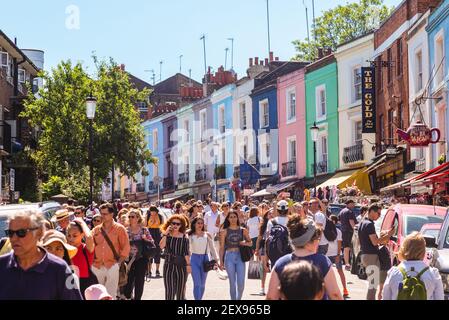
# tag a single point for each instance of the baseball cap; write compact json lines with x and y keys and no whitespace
{"x":97,"y":292}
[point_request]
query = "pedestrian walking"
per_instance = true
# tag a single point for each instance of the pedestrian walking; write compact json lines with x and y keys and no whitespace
{"x":25,"y":269}
{"x":305,"y":237}
{"x":62,"y":219}
{"x":96,"y":220}
{"x":253,"y":225}
{"x":334,"y":255}
{"x":413,"y":279}
{"x":348,"y":221}
{"x":316,"y":207}
{"x":55,"y":243}
{"x":277,"y":243}
{"x":111,"y":250}
{"x":177,"y":257}
{"x":301,"y":280}
{"x":77,"y":232}
{"x":137,"y":262}
{"x":260,"y":251}
{"x":369,"y":248}
{"x":231,"y":238}
{"x":201,"y":248}
{"x":154,"y":224}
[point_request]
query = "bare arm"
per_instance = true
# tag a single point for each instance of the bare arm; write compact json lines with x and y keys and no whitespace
{"x":331,"y":286}
{"x":163,"y":242}
{"x":222,"y":248}
{"x":273,"y":288}
{"x":88,"y":236}
{"x":247,"y":242}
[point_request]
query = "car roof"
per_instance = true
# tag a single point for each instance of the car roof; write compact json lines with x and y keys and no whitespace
{"x":431,"y":226}
{"x":10,"y":208}
{"x":419,"y":209}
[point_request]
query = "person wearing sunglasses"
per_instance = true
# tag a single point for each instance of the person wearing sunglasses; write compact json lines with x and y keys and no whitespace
{"x":231,"y":238}
{"x":305,"y":237}
{"x":137,"y":262}
{"x":96,"y":220}
{"x":177,"y":257}
{"x":154,"y":223}
{"x":28,"y":266}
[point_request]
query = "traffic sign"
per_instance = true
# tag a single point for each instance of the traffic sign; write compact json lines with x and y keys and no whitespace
{"x":157,"y":180}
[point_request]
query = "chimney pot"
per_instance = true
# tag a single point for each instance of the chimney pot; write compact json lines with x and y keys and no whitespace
{"x":256,"y":60}
{"x":266,"y":61}
{"x":277,"y":58}
{"x":271,"y":56}
{"x":122,"y":67}
{"x":250,"y":62}
{"x":261,"y":62}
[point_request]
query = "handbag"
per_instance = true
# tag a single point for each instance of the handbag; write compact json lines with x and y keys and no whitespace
{"x":149,"y":249}
{"x":123,"y":272}
{"x":246,"y":253}
{"x":255,"y":270}
{"x":208,"y":265}
{"x":92,"y":278}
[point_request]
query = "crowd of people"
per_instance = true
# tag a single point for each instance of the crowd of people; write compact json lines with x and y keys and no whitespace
{"x":108,"y":251}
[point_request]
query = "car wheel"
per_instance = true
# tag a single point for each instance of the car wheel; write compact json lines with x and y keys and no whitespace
{"x":361,"y":272}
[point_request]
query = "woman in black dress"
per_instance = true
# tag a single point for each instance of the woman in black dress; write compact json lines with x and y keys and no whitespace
{"x":177,"y":257}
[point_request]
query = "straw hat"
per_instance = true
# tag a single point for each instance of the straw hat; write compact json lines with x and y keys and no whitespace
{"x":60,"y":215}
{"x":55,"y":236}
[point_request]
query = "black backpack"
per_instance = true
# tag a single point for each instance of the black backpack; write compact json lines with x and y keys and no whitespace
{"x":330,"y":230}
{"x":277,"y":244}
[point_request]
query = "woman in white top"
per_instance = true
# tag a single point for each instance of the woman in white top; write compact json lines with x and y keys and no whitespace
{"x":253,"y":225}
{"x":411,"y":254}
{"x":201,"y":245}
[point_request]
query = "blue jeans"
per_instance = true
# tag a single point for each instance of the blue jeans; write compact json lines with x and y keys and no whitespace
{"x":198,"y":275}
{"x":236,"y":270}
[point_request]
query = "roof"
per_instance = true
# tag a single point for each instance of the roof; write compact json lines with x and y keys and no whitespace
{"x":13,"y":46}
{"x":368,"y":33}
{"x":139,"y":83}
{"x":172,"y":84}
{"x":321,"y":63}
{"x":420,"y":210}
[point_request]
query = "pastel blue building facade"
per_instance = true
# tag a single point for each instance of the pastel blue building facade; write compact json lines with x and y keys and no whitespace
{"x":438,"y":37}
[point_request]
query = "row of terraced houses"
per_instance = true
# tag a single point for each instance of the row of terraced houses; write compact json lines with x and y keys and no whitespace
{"x":233,"y":136}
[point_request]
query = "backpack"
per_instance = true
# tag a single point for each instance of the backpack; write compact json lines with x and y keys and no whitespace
{"x":412,"y":288}
{"x":330,"y":230}
{"x":277,"y":244}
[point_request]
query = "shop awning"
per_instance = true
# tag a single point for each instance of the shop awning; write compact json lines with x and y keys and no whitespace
{"x":261,"y":193}
{"x":279,"y":187}
{"x":348,"y":178}
{"x":435,"y":173}
{"x":376,"y":164}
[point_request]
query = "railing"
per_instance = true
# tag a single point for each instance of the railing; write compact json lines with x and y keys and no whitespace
{"x":289,"y":169}
{"x":237,"y":172}
{"x":321,"y":167}
{"x":183,"y":178}
{"x":140,"y":187}
{"x":353,"y":153}
{"x":168,"y":183}
{"x":220,"y":172}
{"x":200,"y":175}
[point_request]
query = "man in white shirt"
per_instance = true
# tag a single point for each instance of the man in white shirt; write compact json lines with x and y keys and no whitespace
{"x":282,"y":218}
{"x":210,"y":219}
{"x":320,"y":220}
{"x":92,"y":210}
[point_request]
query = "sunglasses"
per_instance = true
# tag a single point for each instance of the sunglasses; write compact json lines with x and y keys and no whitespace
{"x":97,"y":220}
{"x":175,"y":223}
{"x":78,"y":213}
{"x":21,"y":233}
{"x":131,"y":217}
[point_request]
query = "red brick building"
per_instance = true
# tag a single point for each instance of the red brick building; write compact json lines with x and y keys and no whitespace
{"x":392,"y":83}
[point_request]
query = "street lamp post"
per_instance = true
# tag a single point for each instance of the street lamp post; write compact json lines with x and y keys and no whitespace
{"x":314,"y":133}
{"x":91,"y":105}
{"x":215,"y":170}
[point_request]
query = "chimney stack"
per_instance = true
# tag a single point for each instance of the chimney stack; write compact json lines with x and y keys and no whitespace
{"x":250,"y":62}
{"x":271,"y":56}
{"x":122,"y":67}
{"x":266,"y":61}
{"x":256,"y":60}
{"x":261,"y":62}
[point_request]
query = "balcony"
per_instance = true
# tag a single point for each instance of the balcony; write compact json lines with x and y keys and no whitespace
{"x":289,"y":169}
{"x":321,"y":167}
{"x":200,"y":175}
{"x":183,"y":178}
{"x":168,"y":183}
{"x":353,"y":154}
{"x":140,"y":187}
{"x":417,"y":166}
{"x":220,"y":172}
{"x":237,"y":172}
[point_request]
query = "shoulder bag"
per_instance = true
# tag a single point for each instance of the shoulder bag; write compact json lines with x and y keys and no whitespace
{"x":246,"y":252}
{"x":149,"y":249}
{"x":123,"y":273}
{"x":208,"y":265}
{"x":92,"y":278}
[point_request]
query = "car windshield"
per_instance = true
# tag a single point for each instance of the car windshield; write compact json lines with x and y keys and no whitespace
{"x":415,"y":223}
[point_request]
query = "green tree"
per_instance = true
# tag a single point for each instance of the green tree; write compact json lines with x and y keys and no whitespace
{"x":60,"y":114}
{"x":341,"y":24}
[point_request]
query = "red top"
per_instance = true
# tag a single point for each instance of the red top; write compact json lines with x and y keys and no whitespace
{"x":79,"y":260}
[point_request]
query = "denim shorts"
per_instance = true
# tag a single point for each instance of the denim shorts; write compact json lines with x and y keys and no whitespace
{"x":339,"y":265}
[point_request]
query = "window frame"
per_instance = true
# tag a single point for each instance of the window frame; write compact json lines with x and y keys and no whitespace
{"x":243,"y":115}
{"x":155,"y":135}
{"x":221,"y":119}
{"x":318,"y":103}
{"x":288,"y":94}
{"x":203,"y":124}
{"x":355,"y":85}
{"x":262,"y":104}
{"x":439,"y":38}
{"x":419,"y":62}
{"x":289,"y":148}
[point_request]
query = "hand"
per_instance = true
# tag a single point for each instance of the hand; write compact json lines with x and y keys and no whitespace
{"x":337,"y":259}
{"x":243,"y":243}
{"x":221,"y":266}
{"x":256,"y":253}
{"x":189,"y":269}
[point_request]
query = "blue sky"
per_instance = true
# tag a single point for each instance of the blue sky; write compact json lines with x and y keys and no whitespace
{"x":140,"y":33}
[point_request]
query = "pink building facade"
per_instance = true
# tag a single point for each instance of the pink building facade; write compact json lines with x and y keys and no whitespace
{"x":292,"y":126}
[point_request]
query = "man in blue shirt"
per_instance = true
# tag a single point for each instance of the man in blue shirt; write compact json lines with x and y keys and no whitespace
{"x":348,"y":221}
{"x":29,"y":272}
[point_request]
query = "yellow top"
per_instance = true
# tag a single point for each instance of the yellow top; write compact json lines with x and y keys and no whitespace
{"x":154,"y":223}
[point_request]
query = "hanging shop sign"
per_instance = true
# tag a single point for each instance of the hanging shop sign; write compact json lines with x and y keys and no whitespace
{"x":368,"y":100}
{"x":419,"y":135}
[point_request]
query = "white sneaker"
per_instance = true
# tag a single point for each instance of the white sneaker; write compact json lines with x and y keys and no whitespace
{"x":262,"y":292}
{"x":222,"y":275}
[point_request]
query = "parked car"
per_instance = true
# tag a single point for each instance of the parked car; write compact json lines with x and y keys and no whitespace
{"x":431,"y":229}
{"x":48,"y":209}
{"x":440,"y":253}
{"x":335,"y":208}
{"x":356,"y":258}
{"x":407,"y":218}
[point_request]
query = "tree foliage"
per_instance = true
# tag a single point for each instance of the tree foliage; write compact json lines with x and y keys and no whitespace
{"x":341,"y":24}
{"x":60,"y":115}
